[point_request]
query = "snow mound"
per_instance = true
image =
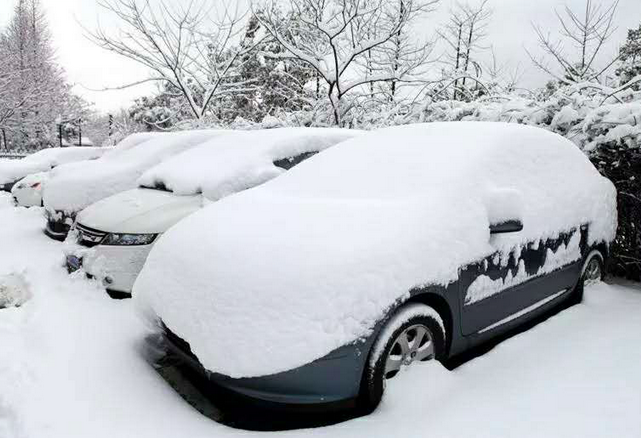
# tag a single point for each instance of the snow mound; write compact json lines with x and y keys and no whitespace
{"x":278,"y":276}
{"x":46,"y":159}
{"x":14,"y":291}
{"x":75,"y":186}
{"x":239,"y":160}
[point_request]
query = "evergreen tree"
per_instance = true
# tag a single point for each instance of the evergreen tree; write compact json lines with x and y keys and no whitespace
{"x":36,"y":92}
{"x":630,"y":58}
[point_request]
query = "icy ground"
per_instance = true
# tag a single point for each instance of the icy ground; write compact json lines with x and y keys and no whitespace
{"x":70,"y":367}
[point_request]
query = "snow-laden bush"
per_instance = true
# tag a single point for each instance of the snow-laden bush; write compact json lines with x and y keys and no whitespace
{"x":14,"y":291}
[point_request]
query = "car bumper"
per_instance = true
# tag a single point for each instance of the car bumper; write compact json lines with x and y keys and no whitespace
{"x":117,"y":267}
{"x":56,"y":231}
{"x":58,"y":225}
{"x":7,"y":186}
{"x":27,"y":197}
{"x":330,"y":383}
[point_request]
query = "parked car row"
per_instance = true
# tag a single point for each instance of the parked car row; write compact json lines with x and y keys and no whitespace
{"x":120,"y":230}
{"x":310,"y":266}
{"x":24,"y":178}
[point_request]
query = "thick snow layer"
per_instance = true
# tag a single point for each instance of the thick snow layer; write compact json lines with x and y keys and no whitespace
{"x":73,"y":187}
{"x":71,"y":367}
{"x":46,"y":159}
{"x":281,"y":275}
{"x":239,"y":160}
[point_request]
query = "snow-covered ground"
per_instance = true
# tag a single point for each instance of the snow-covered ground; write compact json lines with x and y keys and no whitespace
{"x":70,"y":366}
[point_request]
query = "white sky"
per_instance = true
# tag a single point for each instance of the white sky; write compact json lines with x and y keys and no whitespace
{"x":90,"y":67}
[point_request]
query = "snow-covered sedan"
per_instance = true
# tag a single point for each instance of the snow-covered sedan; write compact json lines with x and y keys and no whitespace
{"x":406,"y":244}
{"x":75,"y":186}
{"x":116,"y":234}
{"x":13,"y":171}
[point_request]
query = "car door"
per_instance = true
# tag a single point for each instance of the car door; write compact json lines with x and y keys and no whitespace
{"x":498,"y":288}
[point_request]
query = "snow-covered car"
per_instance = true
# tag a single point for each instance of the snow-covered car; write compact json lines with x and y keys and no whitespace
{"x":75,"y":186}
{"x":13,"y":171}
{"x":116,"y":234}
{"x":28,"y":191}
{"x":405,"y":244}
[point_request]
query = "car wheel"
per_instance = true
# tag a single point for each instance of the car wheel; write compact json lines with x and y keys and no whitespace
{"x":415,"y":333}
{"x":592,"y":272}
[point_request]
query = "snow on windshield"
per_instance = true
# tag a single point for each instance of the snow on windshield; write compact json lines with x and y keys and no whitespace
{"x":281,"y":275}
{"x":239,"y":160}
{"x":75,"y":186}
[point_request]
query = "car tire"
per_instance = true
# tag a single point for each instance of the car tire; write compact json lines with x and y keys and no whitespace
{"x":389,"y":351}
{"x":592,"y":271}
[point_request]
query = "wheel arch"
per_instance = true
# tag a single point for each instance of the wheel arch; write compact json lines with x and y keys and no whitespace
{"x":442,"y":307}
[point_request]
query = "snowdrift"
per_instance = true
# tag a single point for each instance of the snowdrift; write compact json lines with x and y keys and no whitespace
{"x":278,"y":276}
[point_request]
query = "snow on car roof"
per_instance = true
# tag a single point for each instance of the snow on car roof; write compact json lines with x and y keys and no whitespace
{"x":46,"y":159}
{"x":238,"y":160}
{"x":275,"y":277}
{"x":74,"y":187}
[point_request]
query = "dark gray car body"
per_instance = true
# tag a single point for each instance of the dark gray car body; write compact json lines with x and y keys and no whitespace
{"x":336,"y":378}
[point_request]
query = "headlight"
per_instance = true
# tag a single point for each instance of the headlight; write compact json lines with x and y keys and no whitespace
{"x":129,"y":239}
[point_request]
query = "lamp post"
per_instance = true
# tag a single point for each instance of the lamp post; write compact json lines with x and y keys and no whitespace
{"x":79,"y":131}
{"x":59,"y":123}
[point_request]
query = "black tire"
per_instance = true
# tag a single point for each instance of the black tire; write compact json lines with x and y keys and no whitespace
{"x":374,"y":380}
{"x":577,"y":293}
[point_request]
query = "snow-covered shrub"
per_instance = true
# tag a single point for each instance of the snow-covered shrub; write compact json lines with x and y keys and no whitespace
{"x":14,"y":291}
{"x":622,"y":165}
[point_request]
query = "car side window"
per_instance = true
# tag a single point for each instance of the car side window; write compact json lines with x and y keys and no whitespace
{"x":289,"y":162}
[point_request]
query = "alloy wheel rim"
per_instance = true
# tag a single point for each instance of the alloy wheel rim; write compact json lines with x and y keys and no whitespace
{"x":592,"y":272}
{"x":413,"y":344}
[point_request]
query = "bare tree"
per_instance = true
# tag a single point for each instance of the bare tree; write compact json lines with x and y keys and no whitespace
{"x":501,"y":76}
{"x":464,"y":34}
{"x":193,"y":47}
{"x":571,"y":56}
{"x":349,"y":43}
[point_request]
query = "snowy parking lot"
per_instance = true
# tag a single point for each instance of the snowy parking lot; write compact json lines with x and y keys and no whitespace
{"x":71,"y":366}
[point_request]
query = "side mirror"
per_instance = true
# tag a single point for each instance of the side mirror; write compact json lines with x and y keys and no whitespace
{"x":505,"y":211}
{"x":510,"y":226}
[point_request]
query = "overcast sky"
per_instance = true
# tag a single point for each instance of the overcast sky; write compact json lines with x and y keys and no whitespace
{"x":90,"y":67}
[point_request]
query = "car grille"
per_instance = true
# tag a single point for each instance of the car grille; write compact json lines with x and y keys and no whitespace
{"x":89,"y":237}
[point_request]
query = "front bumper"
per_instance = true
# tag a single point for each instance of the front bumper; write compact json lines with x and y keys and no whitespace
{"x":58,"y":225}
{"x":117,"y":267}
{"x":27,"y":197}
{"x":329,"y":383}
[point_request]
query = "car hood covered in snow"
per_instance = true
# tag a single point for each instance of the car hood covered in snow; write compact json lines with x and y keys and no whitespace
{"x":139,"y":211}
{"x":76,"y":186}
{"x":46,"y":159}
{"x":278,"y":276}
